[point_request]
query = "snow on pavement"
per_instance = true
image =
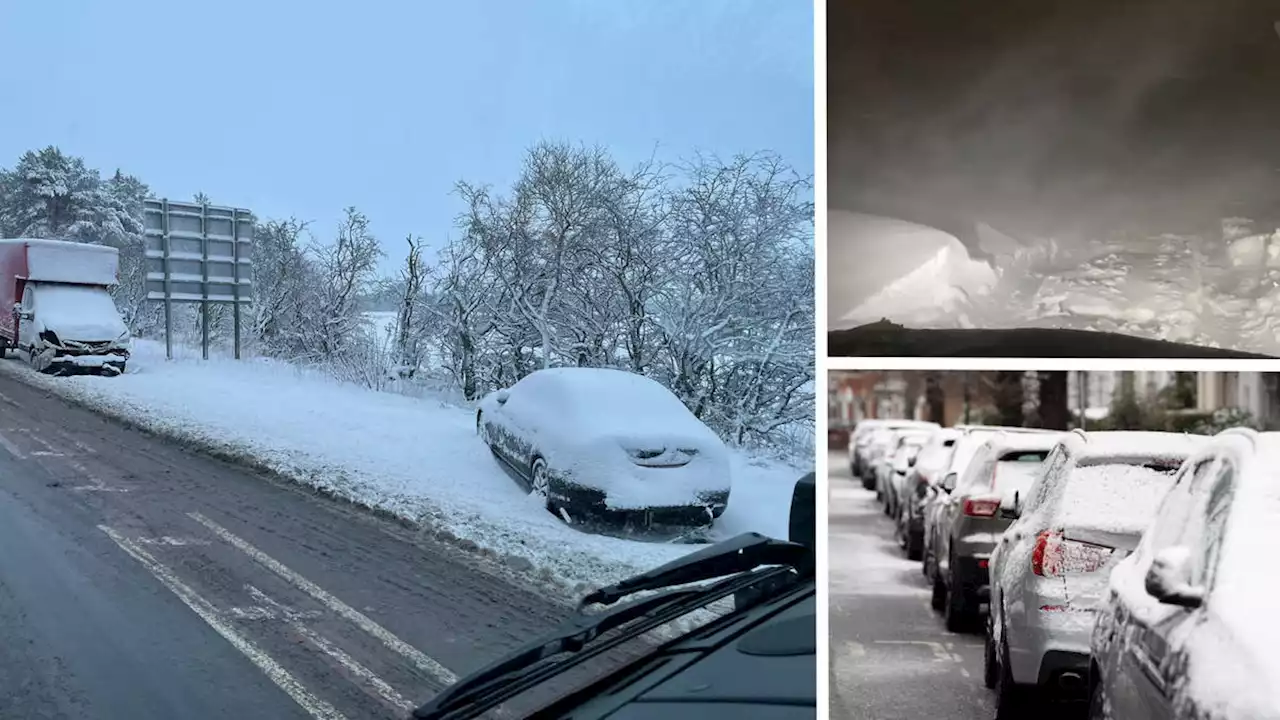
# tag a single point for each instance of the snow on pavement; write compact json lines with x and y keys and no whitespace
{"x":419,"y":459}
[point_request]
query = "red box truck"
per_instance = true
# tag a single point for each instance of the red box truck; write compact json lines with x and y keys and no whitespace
{"x":58,"y":307}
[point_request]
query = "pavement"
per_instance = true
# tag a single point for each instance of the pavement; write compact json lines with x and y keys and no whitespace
{"x":891,"y":657}
{"x":139,"y":580}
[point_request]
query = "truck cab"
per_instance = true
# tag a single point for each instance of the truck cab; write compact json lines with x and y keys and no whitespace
{"x":62,"y":314}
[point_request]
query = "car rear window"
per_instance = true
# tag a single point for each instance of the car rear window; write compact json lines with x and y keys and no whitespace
{"x":1016,"y":475}
{"x":1113,"y":496}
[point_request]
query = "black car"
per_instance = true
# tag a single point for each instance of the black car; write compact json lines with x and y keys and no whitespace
{"x":756,"y":661}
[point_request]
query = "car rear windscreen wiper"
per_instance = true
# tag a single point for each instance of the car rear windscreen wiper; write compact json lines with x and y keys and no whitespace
{"x":738,"y":558}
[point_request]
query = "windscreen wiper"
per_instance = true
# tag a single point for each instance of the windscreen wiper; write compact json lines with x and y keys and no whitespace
{"x":738,"y":558}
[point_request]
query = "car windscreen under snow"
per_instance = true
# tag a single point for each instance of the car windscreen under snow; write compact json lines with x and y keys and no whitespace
{"x":78,"y":312}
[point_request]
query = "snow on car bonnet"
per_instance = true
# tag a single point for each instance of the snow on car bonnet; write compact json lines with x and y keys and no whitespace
{"x":77,"y":312}
{"x":1115,"y":497}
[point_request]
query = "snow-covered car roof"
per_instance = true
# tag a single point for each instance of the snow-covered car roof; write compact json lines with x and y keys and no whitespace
{"x":1134,"y":443}
{"x":1006,"y":441}
{"x":607,"y":401}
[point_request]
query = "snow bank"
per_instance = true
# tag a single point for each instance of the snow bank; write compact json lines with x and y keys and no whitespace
{"x":417,"y":459}
{"x":867,"y":254}
{"x":936,"y":292}
{"x":78,"y":312}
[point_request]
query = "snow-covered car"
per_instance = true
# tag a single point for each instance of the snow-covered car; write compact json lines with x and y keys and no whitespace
{"x":868,"y":432}
{"x":934,"y":499}
{"x":607,"y":444}
{"x":904,"y":458}
{"x":1084,"y":513}
{"x":1188,"y":627}
{"x":928,"y":468}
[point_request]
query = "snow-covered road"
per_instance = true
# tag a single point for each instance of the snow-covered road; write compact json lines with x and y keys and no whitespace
{"x":417,"y":458}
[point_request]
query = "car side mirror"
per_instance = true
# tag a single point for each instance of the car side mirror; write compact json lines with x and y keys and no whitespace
{"x":949,"y":482}
{"x":1169,"y":578}
{"x":911,"y":462}
{"x":802,"y":526}
{"x":1009,"y":506}
{"x":502,"y":396}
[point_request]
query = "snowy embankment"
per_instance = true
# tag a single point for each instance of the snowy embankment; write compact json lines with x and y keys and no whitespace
{"x":880,"y":267}
{"x":418,"y":459}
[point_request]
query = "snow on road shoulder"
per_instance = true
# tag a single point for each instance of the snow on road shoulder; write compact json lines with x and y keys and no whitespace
{"x":415,"y":458}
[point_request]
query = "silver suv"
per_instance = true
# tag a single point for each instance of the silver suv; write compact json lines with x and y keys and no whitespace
{"x":969,"y":522}
{"x":1085,"y":513}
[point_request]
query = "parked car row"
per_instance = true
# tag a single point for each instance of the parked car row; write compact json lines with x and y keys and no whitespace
{"x":1125,"y":572}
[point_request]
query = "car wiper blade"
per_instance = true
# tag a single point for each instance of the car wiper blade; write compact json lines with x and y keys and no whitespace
{"x":743,"y":553}
{"x":737,"y":558}
{"x":525,"y":668}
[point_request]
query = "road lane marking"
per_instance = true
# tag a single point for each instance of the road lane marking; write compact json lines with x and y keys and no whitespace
{"x":257,"y":612}
{"x":95,"y":483}
{"x":9,"y":400}
{"x":384,"y":691}
{"x":13,"y":449}
{"x":316,"y":707}
{"x":940,"y":653}
{"x":172,"y":541}
{"x":415,"y":656}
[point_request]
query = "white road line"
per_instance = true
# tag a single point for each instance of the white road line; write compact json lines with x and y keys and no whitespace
{"x":316,"y":707}
{"x":940,"y":653}
{"x":387,"y":693}
{"x":47,"y":453}
{"x":95,"y":483}
{"x":13,"y":449}
{"x":415,"y":656}
{"x":9,"y":400}
{"x":256,"y":612}
{"x":173,"y":541}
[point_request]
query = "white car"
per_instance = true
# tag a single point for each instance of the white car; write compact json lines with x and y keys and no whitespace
{"x":1085,"y":512}
{"x":865,"y":433}
{"x":607,"y":444}
{"x":1188,"y":629}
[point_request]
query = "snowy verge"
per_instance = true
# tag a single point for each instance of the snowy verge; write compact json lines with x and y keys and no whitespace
{"x":416,"y":459}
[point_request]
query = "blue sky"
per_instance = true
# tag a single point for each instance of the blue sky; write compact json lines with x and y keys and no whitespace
{"x":303,"y":108}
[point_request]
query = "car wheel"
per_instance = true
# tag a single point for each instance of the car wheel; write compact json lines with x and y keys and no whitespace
{"x":990,"y":668}
{"x":915,"y":545}
{"x":540,"y":481}
{"x":1013,"y":701}
{"x":957,"y":612}
{"x":938,"y":600}
{"x":1098,"y":709}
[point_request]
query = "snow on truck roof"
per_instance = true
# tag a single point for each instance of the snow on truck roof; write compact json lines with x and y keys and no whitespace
{"x":59,"y":244}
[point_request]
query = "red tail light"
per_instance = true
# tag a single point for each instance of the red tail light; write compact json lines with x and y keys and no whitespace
{"x":1055,"y":555}
{"x":981,"y":507}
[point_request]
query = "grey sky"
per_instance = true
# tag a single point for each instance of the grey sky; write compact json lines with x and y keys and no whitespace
{"x":302,"y":108}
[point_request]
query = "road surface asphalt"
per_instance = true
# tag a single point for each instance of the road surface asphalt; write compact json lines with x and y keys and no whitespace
{"x":139,"y":580}
{"x":891,"y":657}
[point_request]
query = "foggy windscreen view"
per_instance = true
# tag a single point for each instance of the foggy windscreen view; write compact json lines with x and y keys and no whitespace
{"x":1087,"y":165}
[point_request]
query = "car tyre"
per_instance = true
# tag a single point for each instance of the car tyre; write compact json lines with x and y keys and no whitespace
{"x":915,"y":545}
{"x":958,"y":612}
{"x":990,"y":667}
{"x":1013,"y":701}
{"x":1098,"y":709}
{"x":540,"y":482}
{"x":938,"y":601}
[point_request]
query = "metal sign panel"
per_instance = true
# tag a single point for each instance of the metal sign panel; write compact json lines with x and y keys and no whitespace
{"x":198,"y":253}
